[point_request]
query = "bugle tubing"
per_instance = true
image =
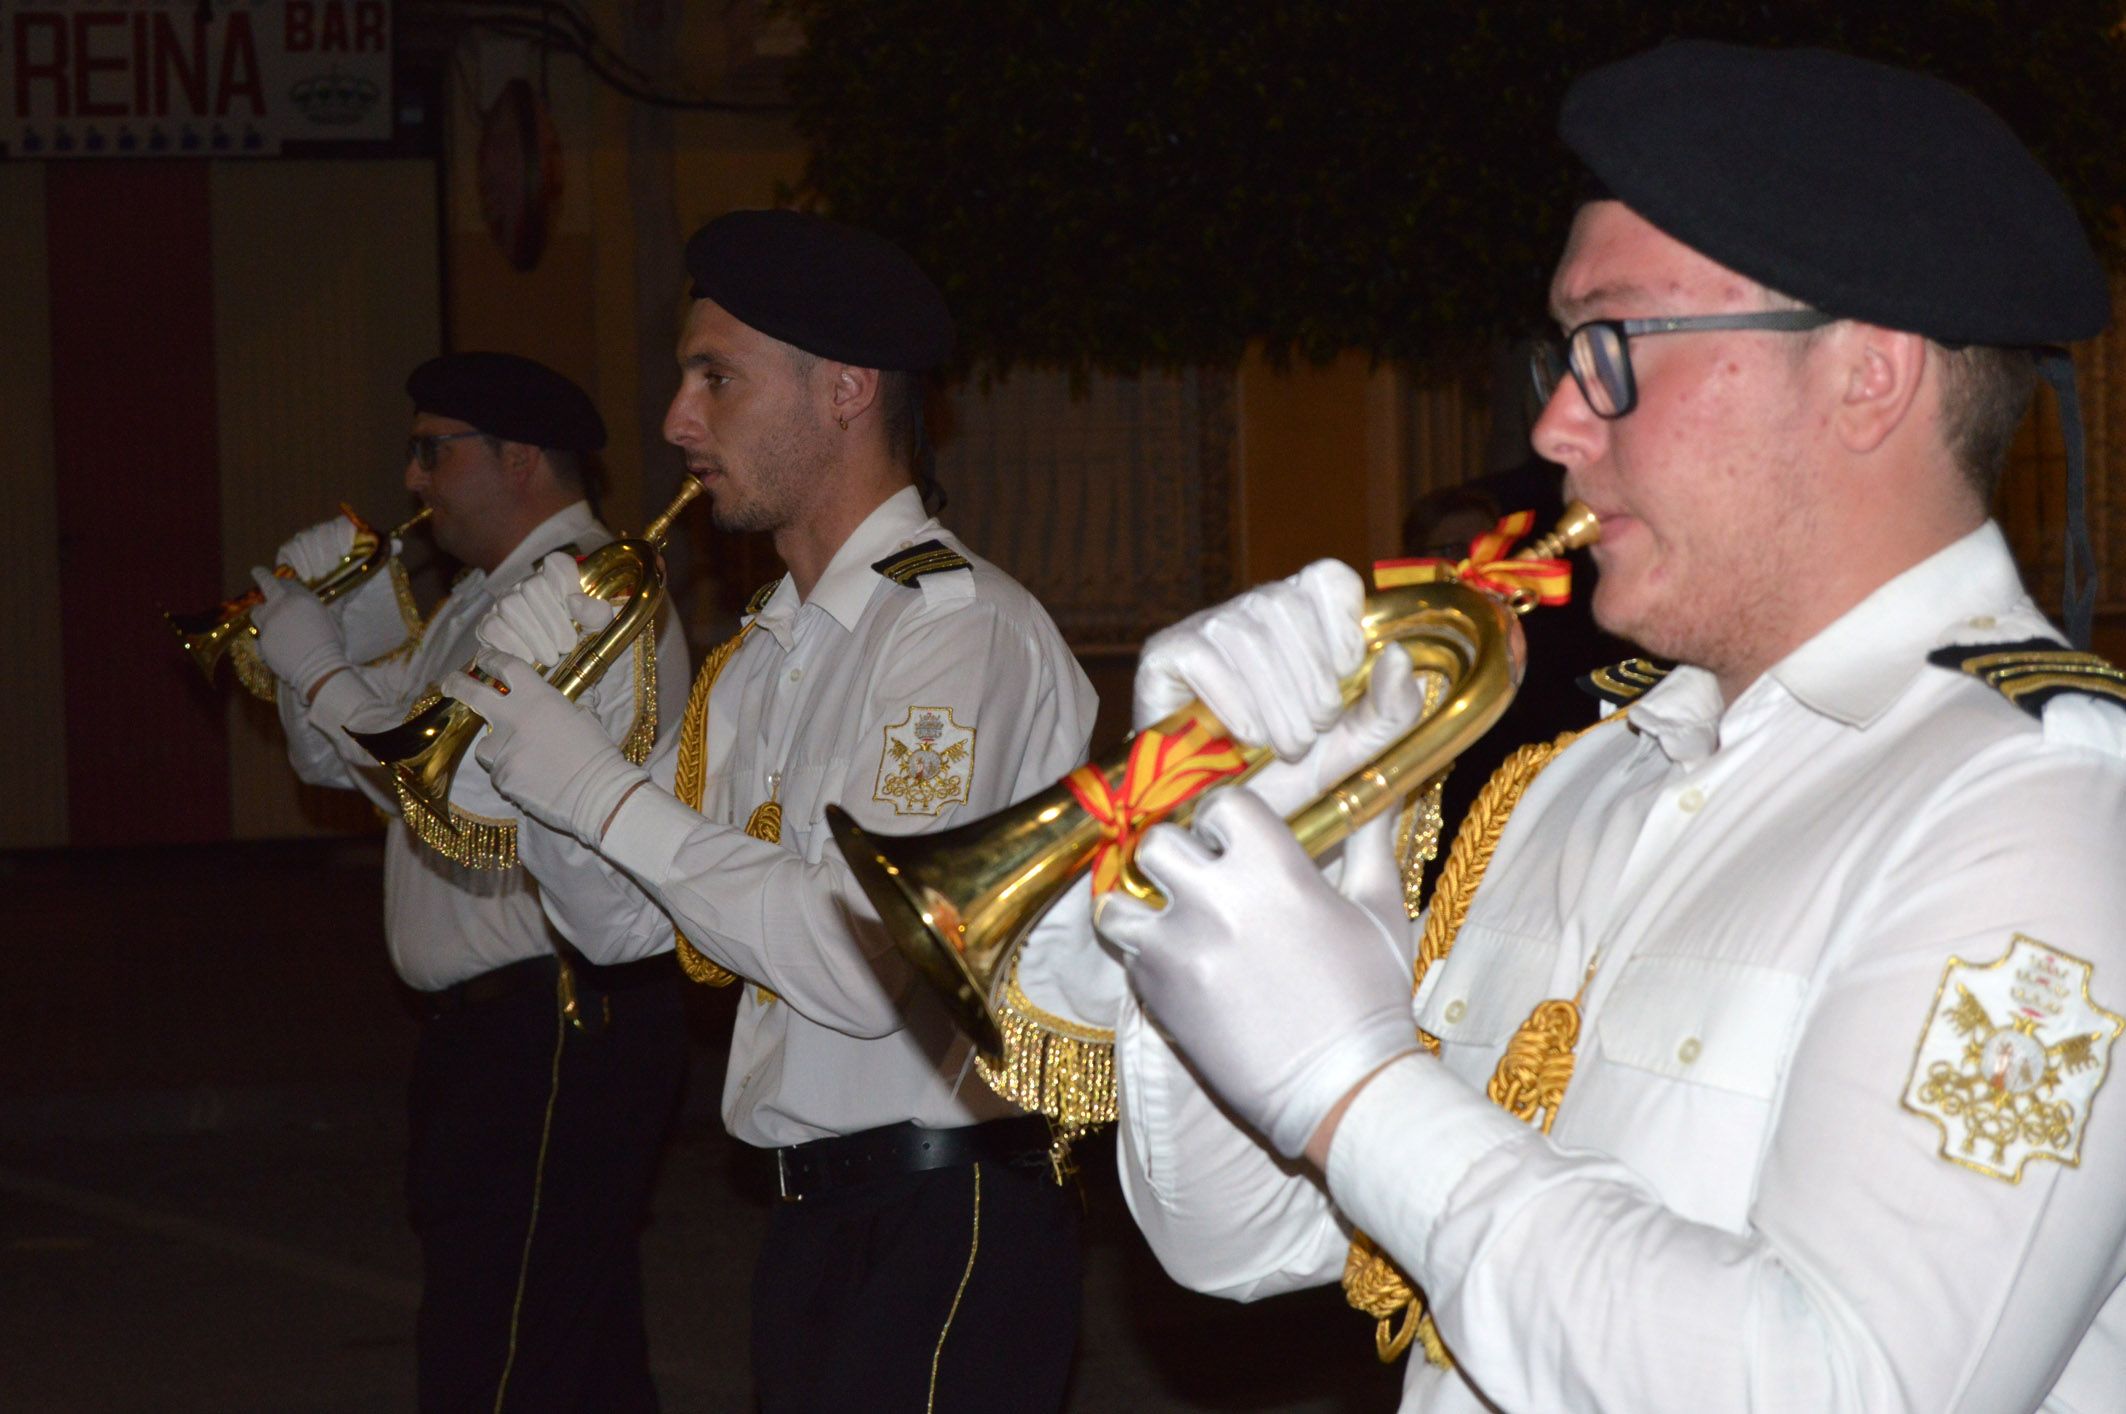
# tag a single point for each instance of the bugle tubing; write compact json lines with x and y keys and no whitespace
{"x":959,"y":903}
{"x":422,"y":753}
{"x":206,"y":634}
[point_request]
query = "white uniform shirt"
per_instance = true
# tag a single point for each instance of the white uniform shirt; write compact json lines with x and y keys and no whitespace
{"x":445,"y":924}
{"x":1733,"y":1210}
{"x":825,"y":695}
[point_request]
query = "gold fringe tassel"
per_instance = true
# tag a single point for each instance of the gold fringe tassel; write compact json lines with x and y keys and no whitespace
{"x":1530,"y":1076}
{"x":479,"y":842}
{"x":1052,"y":1065}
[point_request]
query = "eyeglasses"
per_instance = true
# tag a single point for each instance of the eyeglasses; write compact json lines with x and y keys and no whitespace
{"x":423,"y":449}
{"x":1598,"y":353}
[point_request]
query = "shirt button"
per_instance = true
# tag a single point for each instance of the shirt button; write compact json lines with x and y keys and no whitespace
{"x":1456,"y":1010}
{"x":1982,"y":621}
{"x":1691,"y":801}
{"x":796,"y":673}
{"x":1688,"y":1051}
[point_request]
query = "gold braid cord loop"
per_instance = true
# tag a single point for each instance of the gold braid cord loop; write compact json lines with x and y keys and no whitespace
{"x":1531,"y":1075}
{"x":473,"y":841}
{"x":688,"y":782}
{"x":765,"y":823}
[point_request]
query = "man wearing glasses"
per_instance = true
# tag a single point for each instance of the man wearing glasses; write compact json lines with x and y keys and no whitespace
{"x":1765,"y":1064}
{"x":532,"y":1140}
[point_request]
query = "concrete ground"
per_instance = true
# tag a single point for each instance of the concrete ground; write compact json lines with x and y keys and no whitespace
{"x":200,"y":1146}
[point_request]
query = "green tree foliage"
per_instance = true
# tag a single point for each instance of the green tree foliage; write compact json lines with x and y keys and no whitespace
{"x":1124,"y":184}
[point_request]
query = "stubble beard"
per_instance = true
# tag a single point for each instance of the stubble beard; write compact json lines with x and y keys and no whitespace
{"x":783,"y":471}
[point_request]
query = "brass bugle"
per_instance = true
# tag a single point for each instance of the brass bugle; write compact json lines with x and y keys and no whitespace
{"x":960,"y":902}
{"x":206,"y":634}
{"x":422,"y":753}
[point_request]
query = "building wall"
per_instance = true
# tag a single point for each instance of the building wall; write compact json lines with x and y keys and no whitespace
{"x":33,"y":706}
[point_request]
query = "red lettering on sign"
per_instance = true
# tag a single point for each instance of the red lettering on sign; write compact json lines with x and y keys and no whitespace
{"x":369,"y":27}
{"x":52,"y":71}
{"x":333,"y":34}
{"x":298,"y":27}
{"x":241,"y":53}
{"x":88,"y":63}
{"x":171,"y":57}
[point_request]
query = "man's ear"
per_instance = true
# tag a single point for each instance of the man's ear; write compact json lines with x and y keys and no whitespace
{"x":1879,"y":372}
{"x":520,"y":462}
{"x":852,"y":392}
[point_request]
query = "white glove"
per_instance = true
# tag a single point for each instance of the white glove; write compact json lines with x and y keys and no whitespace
{"x":544,"y":615}
{"x":297,"y":636}
{"x":318,"y":549}
{"x":545,"y":754}
{"x":1283,"y":994}
{"x":1267,"y":663}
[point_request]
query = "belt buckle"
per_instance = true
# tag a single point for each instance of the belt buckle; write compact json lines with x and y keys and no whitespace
{"x":782,"y":1179}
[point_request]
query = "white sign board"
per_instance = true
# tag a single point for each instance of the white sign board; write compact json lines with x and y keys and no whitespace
{"x":191,"y":78}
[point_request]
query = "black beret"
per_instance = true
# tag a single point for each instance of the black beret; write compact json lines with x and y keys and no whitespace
{"x":832,"y":290}
{"x":1870,"y":192}
{"x":511,"y":397}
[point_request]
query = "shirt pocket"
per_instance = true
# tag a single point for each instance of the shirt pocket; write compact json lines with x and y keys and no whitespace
{"x":1484,"y":989}
{"x":1703,"y":1021}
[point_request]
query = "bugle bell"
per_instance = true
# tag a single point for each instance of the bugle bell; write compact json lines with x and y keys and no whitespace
{"x":422,"y":753}
{"x":958,"y":903}
{"x":206,"y":634}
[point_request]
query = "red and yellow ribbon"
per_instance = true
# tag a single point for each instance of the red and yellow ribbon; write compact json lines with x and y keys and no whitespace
{"x":1163,"y":772}
{"x":1489,"y":567}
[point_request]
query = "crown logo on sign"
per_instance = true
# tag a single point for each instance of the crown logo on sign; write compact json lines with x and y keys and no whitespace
{"x":928,"y":728}
{"x":334,"y":99}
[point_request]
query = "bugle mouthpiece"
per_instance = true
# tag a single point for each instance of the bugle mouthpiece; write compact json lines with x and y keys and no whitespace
{"x":1577,"y":528}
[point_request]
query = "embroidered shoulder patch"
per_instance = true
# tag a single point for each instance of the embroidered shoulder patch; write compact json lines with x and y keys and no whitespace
{"x":905,"y":567}
{"x":2012,"y":1055}
{"x":1626,"y":681}
{"x":927,"y":763}
{"x":2034,"y":671}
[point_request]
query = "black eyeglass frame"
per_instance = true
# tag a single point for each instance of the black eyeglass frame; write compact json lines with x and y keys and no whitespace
{"x":1551,"y":359}
{"x":423,"y":449}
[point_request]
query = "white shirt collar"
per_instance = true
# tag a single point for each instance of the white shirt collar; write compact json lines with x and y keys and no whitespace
{"x":846,"y":585}
{"x":561,"y":529}
{"x":1853,"y":670}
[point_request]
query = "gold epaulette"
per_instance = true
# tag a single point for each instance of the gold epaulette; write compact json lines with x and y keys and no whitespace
{"x":905,"y":567}
{"x":1626,"y":681}
{"x":761,"y":596}
{"x":2034,"y":671}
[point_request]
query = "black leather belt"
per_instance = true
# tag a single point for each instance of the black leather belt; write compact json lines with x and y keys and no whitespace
{"x":542,"y":974}
{"x":824,"y":1165}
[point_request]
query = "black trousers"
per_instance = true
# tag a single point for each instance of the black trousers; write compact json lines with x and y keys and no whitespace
{"x":952,"y":1290}
{"x":534,"y":1145}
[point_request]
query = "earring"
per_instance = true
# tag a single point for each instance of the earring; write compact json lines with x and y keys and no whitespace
{"x":844,"y":422}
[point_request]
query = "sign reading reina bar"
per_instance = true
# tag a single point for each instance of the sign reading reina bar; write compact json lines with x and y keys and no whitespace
{"x":191,"y":78}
